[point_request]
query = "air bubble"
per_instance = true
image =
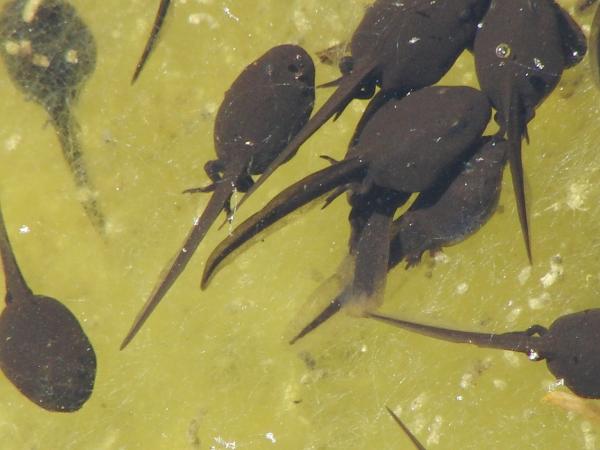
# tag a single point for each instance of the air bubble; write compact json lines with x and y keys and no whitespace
{"x":503,"y":51}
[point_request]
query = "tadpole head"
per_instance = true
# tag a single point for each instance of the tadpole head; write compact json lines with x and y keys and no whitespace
{"x":573,"y":351}
{"x":48,"y":50}
{"x":45,"y":353}
{"x":289,"y":63}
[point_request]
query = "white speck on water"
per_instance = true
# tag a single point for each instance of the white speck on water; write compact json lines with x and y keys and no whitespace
{"x":302,"y":22}
{"x":589,"y":437}
{"x":462,"y":288}
{"x":459,"y":398}
{"x":511,"y":358}
{"x":434,"y":435}
{"x":222,"y":443}
{"x":577,"y":196}
{"x":500,"y":384}
{"x":533,"y":355}
{"x":270,"y":437}
{"x":538,"y":63}
{"x":441,"y":258}
{"x":466,"y":381}
{"x":553,"y":385}
{"x":198,"y":18}
{"x":418,"y":402}
{"x":414,"y":40}
{"x":513,"y":314}
{"x":229,"y":14}
{"x":12,"y":142}
{"x":24,"y":229}
{"x":556,"y":271}
{"x":540,"y":302}
{"x":524,"y":275}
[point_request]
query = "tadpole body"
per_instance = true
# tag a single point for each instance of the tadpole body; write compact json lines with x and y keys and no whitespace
{"x":398,"y":46}
{"x":49,"y":53}
{"x":569,"y":346}
{"x":520,"y":52}
{"x":44,"y":352}
{"x":454,"y":209}
{"x":264,"y":108}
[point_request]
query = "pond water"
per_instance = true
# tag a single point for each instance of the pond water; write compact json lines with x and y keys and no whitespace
{"x":212,"y":369}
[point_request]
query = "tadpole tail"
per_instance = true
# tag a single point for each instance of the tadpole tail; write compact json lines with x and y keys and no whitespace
{"x":158,"y":21}
{"x":334,"y":104}
{"x":16,"y":286}
{"x":284,"y":203}
{"x":66,"y":130}
{"x":518,"y":341}
{"x":371,"y":261}
{"x":369,"y":271}
{"x":334,"y":306}
{"x":515,"y":130}
{"x":215,"y":205}
{"x":409,"y":433}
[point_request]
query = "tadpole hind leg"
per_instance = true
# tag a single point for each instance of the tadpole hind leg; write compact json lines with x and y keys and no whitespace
{"x":536,"y":330}
{"x":67,"y":132}
{"x":214,"y":169}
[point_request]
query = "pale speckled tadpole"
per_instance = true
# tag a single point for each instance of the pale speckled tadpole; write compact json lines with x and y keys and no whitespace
{"x":49,"y":53}
{"x":44,"y":351}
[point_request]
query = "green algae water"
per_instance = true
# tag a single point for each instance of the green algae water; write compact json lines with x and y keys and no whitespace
{"x":212,"y":369}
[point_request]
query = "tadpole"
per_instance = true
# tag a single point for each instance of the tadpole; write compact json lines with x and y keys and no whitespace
{"x":264,"y":108}
{"x":49,"y":53}
{"x":521,"y":50}
{"x":44,"y":352}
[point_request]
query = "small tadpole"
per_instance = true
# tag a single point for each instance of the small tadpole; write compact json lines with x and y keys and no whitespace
{"x":49,"y":53}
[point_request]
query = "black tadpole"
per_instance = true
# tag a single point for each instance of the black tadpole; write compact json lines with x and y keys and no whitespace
{"x":264,"y":108}
{"x":163,"y":7}
{"x":521,"y":50}
{"x":44,"y":352}
{"x":49,"y":52}
{"x":569,"y":346}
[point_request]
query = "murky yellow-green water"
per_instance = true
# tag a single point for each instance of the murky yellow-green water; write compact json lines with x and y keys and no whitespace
{"x":212,"y":369}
